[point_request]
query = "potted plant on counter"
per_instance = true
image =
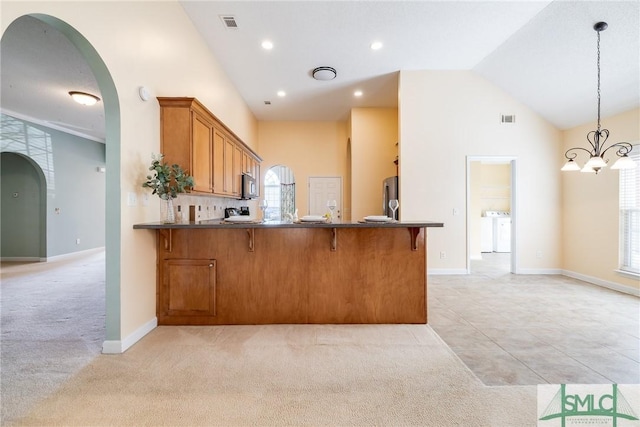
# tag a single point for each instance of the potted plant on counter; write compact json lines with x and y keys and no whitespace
{"x":167,"y":181}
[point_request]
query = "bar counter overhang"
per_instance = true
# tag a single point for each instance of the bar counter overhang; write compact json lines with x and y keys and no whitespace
{"x":217,"y":273}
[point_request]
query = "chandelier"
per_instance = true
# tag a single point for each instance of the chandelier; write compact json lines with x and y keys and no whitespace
{"x":597,"y":139}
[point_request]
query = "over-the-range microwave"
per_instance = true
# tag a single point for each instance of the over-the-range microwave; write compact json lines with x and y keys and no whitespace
{"x":249,"y":187}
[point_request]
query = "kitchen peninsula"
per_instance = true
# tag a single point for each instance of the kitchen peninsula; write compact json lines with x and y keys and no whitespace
{"x":217,"y":273}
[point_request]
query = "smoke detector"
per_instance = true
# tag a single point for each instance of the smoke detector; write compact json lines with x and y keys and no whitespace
{"x":324,"y":73}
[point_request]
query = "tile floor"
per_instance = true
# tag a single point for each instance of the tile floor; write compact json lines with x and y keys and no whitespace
{"x":535,"y":329}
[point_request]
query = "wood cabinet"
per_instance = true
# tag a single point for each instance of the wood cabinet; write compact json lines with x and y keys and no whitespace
{"x":191,"y":136}
{"x":188,"y":287}
{"x":291,"y":274}
{"x":237,"y":171}
{"x":201,"y":154}
{"x":219,"y":143}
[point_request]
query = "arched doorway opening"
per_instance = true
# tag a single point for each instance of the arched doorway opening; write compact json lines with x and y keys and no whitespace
{"x":23,"y":213}
{"x":112,"y":160}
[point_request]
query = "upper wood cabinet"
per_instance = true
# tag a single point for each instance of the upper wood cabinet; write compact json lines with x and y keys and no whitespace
{"x":191,"y":136}
{"x":202,"y":154}
{"x":219,"y":143}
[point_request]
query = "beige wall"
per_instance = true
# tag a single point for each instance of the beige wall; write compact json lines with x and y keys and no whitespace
{"x":590,"y":206}
{"x":309,"y":149}
{"x":446,"y":116}
{"x":152,"y":44}
{"x":374,"y":134}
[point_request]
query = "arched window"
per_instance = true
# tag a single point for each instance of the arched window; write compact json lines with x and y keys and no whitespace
{"x":280,"y":192}
{"x":272,"y":194}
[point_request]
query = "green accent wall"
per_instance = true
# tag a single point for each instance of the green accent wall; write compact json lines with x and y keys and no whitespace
{"x":74,"y":201}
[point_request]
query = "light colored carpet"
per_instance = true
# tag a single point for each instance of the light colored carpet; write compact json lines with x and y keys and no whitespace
{"x":52,"y":325}
{"x":270,"y":375}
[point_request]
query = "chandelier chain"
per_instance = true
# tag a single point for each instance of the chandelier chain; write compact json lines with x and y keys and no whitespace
{"x":598,"y":81}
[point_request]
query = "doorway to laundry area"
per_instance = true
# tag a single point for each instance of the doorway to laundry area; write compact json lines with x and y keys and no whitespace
{"x":491,"y":214}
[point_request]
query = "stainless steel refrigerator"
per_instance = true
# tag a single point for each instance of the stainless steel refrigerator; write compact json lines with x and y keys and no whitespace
{"x":390,"y":192}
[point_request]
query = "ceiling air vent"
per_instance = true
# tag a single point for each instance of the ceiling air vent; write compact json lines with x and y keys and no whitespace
{"x":508,"y":118}
{"x":229,"y":21}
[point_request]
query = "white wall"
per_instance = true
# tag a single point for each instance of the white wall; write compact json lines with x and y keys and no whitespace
{"x":152,"y":44}
{"x":448,"y":115}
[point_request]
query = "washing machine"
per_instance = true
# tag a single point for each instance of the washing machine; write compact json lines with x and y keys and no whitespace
{"x":501,"y":230}
{"x":486,"y":234}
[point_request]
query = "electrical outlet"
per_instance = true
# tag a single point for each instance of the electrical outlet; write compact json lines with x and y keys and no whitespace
{"x":443,"y":254}
{"x":77,"y":241}
{"x":539,"y":254}
{"x":456,"y":211}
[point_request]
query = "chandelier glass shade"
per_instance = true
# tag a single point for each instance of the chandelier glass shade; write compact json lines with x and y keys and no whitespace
{"x":597,"y":139}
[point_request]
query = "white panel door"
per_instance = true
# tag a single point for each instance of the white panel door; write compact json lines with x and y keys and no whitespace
{"x":322,"y":189}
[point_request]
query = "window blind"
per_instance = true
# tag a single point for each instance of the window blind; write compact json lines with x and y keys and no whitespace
{"x":630,"y":215}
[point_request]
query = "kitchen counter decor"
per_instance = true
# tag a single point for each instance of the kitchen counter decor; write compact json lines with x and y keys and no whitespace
{"x":167,"y":181}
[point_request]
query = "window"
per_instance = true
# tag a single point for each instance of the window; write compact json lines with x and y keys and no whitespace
{"x":630,"y":216}
{"x":272,"y":194}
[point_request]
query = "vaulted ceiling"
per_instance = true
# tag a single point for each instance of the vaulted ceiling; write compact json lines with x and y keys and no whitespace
{"x":542,"y":53}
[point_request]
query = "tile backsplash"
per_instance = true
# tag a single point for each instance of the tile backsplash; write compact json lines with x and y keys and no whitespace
{"x":210,"y":207}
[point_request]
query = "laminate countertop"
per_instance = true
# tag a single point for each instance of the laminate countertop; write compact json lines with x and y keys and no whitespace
{"x":221,"y":223}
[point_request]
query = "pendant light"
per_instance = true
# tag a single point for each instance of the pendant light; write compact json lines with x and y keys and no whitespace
{"x":598,"y":137}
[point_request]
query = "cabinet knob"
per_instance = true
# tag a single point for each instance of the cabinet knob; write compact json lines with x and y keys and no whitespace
{"x":210,"y":265}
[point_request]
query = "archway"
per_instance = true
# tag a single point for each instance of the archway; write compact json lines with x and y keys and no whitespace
{"x":112,"y":140}
{"x":23,"y":214}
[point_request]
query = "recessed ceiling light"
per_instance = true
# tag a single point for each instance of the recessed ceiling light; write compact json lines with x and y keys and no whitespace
{"x":282,"y":93}
{"x":376,"y":45}
{"x":267,"y":45}
{"x":357,"y":93}
{"x":84,"y":98}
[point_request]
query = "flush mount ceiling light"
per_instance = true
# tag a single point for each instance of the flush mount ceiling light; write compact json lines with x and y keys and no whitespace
{"x":598,"y":137}
{"x":376,"y":45}
{"x":84,"y":98}
{"x":324,"y":73}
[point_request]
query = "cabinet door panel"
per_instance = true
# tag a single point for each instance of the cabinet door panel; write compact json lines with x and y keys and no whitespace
{"x":237,"y":171}
{"x":189,"y":287}
{"x":229,"y":148}
{"x":201,"y":154}
{"x":246,"y":163}
{"x":218,"y":161}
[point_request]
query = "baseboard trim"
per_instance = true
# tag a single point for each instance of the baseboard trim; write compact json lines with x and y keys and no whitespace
{"x":74,"y":254}
{"x":117,"y":347}
{"x":22,"y":259}
{"x":603,"y":283}
{"x":446,"y":271}
{"x":538,"y":271}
